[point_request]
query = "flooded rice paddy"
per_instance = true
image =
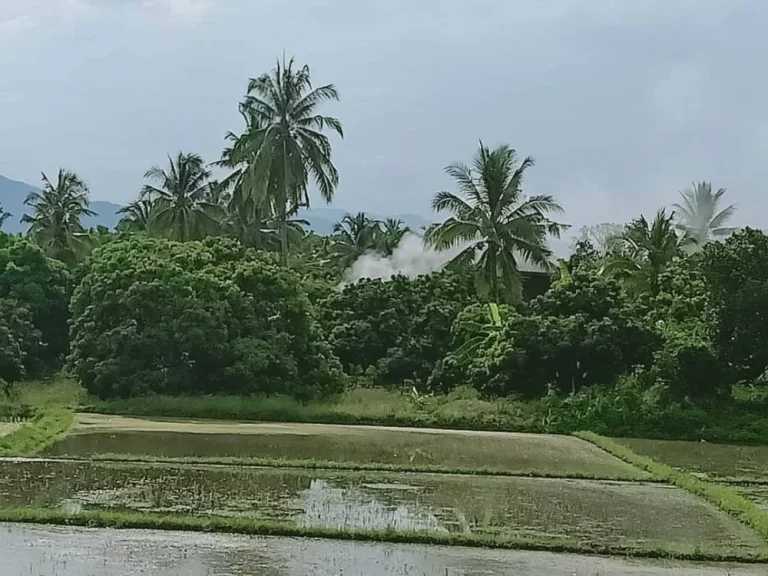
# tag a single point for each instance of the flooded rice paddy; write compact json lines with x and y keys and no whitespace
{"x":617,"y":509}
{"x":716,"y":460}
{"x":603,"y":512}
{"x":500,"y":451}
{"x":57,"y":551}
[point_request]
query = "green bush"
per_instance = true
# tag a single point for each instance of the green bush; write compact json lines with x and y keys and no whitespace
{"x":19,"y":341}
{"x":736,"y":274}
{"x":401,"y":326}
{"x":39,"y":288}
{"x":156,"y":316}
{"x":580,"y":333}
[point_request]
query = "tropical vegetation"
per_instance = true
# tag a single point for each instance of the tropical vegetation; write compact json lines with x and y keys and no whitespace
{"x":215,"y":287}
{"x":493,"y":223}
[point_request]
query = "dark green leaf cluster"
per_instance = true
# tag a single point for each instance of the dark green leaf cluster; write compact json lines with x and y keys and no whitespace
{"x":157,"y":316}
{"x":736,"y":274}
{"x":399,"y":327}
{"x":34,"y":294}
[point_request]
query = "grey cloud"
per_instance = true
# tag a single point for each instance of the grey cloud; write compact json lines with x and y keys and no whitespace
{"x":621,"y":103}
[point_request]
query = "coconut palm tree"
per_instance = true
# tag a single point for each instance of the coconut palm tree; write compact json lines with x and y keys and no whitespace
{"x":135,"y":216}
{"x":55,"y":220}
{"x":3,"y":216}
{"x":493,"y":223}
{"x":642,"y":251}
{"x":392,"y":233}
{"x":353,"y":237}
{"x":284,"y":144}
{"x":698,"y":215}
{"x":180,"y":209}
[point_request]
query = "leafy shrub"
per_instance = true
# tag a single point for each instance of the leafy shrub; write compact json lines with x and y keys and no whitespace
{"x":19,"y":340}
{"x":736,"y":274}
{"x":402,"y":326}
{"x":155,"y":316}
{"x":41,"y":287}
{"x":581,"y":332}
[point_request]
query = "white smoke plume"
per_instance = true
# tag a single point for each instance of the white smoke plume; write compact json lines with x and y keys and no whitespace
{"x":411,"y":258}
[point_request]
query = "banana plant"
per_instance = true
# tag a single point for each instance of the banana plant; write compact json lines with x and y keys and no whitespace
{"x":492,"y":326}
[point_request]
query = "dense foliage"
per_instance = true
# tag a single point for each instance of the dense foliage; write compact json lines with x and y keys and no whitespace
{"x":396,"y":329}
{"x":736,"y":274}
{"x":215,"y":287}
{"x":34,"y":294}
{"x":197,"y":317}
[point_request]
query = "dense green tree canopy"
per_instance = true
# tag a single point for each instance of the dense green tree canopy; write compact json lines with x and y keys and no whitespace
{"x":181,"y":318}
{"x":41,"y":286}
{"x":400,"y":326}
{"x":736,"y":274}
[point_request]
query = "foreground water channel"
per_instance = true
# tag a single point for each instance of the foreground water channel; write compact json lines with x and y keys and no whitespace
{"x":57,"y":551}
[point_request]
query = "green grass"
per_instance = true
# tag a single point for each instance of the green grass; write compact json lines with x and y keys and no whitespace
{"x":241,"y":525}
{"x":721,"y":496}
{"x":461,"y":409}
{"x":36,"y":434}
{"x":354,"y":466}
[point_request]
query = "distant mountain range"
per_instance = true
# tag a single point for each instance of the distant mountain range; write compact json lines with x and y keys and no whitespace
{"x":13,"y":193}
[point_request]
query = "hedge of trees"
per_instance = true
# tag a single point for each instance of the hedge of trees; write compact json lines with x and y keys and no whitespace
{"x":211,"y":287}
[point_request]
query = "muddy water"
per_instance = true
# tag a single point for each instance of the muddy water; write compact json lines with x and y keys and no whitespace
{"x":53,"y":551}
{"x":573,"y":510}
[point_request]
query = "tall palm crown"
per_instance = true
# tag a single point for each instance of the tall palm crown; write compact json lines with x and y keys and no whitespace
{"x":643,"y":250}
{"x":494,"y":222}
{"x":56,"y":213}
{"x":3,"y":216}
{"x":180,"y":209}
{"x":284,"y":144}
{"x":392,"y":233}
{"x":135,"y":216}
{"x":354,"y":236}
{"x":697,"y":216}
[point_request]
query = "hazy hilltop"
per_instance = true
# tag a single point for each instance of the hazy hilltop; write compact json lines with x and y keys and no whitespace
{"x":13,"y":193}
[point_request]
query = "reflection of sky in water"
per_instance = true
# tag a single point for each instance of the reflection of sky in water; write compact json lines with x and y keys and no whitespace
{"x":330,"y":507}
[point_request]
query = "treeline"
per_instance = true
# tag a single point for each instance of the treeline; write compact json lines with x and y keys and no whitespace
{"x":213,"y":287}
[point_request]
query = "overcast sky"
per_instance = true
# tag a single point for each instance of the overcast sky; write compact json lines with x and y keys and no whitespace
{"x":622,"y":103}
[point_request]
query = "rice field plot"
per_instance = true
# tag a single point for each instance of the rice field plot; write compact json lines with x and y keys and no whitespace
{"x":447,"y":450}
{"x":556,"y":510}
{"x":718,"y":461}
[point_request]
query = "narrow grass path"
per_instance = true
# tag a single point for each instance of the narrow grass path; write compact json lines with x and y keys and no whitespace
{"x":721,"y":496}
{"x":36,"y":434}
{"x":254,"y":462}
{"x":243,"y":525}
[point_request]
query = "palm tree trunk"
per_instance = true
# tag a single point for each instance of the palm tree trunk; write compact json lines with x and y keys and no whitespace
{"x":494,"y":279}
{"x":283,"y":212}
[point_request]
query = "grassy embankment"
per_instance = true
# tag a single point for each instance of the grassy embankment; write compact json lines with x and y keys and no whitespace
{"x":742,"y":422}
{"x":721,"y":496}
{"x":225,"y":461}
{"x":48,"y":408}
